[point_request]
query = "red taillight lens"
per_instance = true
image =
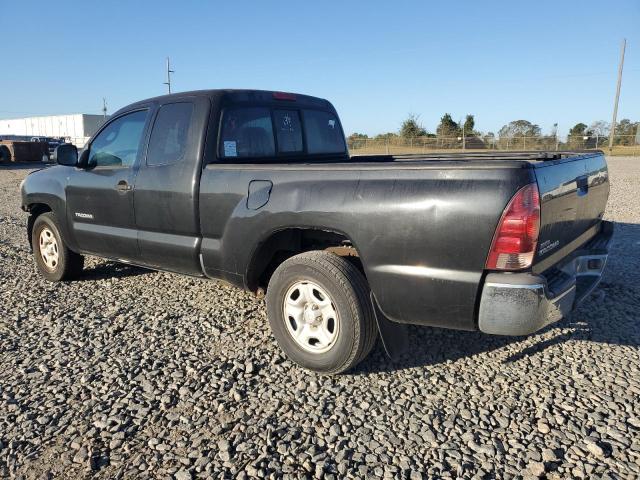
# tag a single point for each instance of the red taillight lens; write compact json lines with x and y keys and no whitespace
{"x":284,"y":96}
{"x":516,"y":237}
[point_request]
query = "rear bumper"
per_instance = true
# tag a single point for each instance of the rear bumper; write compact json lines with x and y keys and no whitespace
{"x":522,"y":303}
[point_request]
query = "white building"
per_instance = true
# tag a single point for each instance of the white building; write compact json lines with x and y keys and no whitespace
{"x":76,"y":128}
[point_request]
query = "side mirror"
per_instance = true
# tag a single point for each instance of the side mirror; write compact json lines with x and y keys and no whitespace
{"x":66,"y":154}
{"x":83,"y":162}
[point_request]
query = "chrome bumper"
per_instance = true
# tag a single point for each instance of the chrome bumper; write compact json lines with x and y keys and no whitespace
{"x":523,"y":303}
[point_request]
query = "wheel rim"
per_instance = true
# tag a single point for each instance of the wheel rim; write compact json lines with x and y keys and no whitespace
{"x":311,"y":317}
{"x":49,"y":248}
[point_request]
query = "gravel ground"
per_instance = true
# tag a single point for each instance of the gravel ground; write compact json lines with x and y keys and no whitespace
{"x":134,"y":374}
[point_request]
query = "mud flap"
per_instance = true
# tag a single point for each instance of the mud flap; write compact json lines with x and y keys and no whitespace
{"x":394,"y":336}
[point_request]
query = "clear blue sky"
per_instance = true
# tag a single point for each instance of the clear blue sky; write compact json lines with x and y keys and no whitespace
{"x":547,"y":62}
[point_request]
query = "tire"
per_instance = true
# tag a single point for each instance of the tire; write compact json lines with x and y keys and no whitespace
{"x":5,"y":154}
{"x":298,"y":307}
{"x":54,"y":260}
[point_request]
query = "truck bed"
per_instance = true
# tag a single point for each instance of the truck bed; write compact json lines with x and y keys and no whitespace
{"x":421,"y":223}
{"x":472,"y":160}
{"x":468,"y":157}
{"x":573,"y":187}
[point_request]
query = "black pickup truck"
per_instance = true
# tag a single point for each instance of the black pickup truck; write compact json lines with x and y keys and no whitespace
{"x":257,"y":188}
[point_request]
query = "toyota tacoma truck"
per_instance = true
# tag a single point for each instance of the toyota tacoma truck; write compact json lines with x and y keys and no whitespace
{"x":258,"y":189}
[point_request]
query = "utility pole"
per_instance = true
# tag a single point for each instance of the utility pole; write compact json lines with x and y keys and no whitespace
{"x":464,"y":140}
{"x":169,"y":72}
{"x":615,"y":105}
{"x":104,"y":108}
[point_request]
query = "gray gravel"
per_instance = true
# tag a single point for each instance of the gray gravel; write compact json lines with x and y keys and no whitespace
{"x":135,"y":374}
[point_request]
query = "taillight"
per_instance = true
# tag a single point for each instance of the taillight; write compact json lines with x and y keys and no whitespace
{"x":284,"y":96}
{"x":516,"y":237}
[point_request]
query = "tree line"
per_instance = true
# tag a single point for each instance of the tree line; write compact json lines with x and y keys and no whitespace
{"x":626,"y":131}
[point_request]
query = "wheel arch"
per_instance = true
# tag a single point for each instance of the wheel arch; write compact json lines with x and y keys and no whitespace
{"x":35,"y":210}
{"x":286,"y":242}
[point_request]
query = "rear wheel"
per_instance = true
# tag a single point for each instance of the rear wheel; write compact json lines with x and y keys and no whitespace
{"x":320,"y":312}
{"x":54,"y":260}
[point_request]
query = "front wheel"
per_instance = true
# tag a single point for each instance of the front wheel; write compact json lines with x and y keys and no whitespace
{"x":54,"y":260}
{"x":5,"y":154}
{"x":320,"y":312}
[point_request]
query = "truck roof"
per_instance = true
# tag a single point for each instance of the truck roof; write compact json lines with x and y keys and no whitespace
{"x":241,"y":95}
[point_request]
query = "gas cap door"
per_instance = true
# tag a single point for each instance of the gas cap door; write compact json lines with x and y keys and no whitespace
{"x":259,"y":192}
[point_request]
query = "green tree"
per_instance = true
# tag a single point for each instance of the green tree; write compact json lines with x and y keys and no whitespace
{"x":411,"y":127}
{"x":447,"y":127}
{"x":577,"y":134}
{"x":579,"y":129}
{"x":386,"y":136}
{"x":626,"y":132}
{"x":520,"y":128}
{"x":357,"y":136}
{"x":357,"y":140}
{"x":469,"y":125}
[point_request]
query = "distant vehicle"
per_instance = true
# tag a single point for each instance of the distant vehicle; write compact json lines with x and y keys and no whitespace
{"x":15,"y":150}
{"x":52,"y":142}
{"x":258,"y":189}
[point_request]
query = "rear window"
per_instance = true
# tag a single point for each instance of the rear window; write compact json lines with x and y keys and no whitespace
{"x":246,"y":132}
{"x":257,"y":132}
{"x":288,"y":130}
{"x":324,"y":134}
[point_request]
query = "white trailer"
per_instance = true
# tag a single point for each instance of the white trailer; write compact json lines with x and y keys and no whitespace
{"x":76,"y":128}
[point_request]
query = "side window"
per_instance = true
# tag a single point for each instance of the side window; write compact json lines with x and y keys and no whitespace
{"x":118,"y":144}
{"x":246,"y":132}
{"x":169,"y":137}
{"x":288,"y":130}
{"x":324,"y":134}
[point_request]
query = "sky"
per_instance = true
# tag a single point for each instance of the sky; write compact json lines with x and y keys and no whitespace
{"x":546,"y":61}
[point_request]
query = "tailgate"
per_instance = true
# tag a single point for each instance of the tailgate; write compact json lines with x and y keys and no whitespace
{"x":573,"y":197}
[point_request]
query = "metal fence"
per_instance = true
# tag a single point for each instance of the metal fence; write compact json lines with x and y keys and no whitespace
{"x":622,"y":144}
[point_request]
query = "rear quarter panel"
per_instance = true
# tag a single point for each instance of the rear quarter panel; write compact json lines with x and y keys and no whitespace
{"x":422,"y":233}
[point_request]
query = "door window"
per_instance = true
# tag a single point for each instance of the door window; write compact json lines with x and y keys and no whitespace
{"x":169,"y":137}
{"x":118,"y":144}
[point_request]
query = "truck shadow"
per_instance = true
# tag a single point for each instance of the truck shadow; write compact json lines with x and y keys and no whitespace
{"x":610,"y":315}
{"x":107,"y":269}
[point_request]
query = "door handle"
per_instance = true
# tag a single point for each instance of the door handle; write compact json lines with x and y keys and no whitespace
{"x":123,"y":186}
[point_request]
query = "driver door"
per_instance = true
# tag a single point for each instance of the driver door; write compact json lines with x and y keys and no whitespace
{"x":100,"y":196}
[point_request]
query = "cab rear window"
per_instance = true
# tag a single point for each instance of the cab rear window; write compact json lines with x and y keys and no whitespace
{"x":246,"y":133}
{"x":324,"y":134}
{"x":288,"y":130}
{"x":262,"y":132}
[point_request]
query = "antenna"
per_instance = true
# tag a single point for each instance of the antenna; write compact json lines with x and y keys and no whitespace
{"x":169,"y":72}
{"x":104,"y":108}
